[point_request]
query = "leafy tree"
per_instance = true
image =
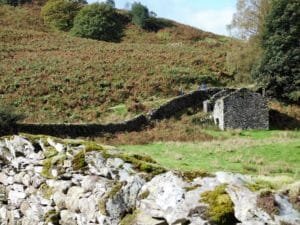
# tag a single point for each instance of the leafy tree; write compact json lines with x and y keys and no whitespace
{"x":111,"y":3}
{"x":98,"y":21}
{"x":249,"y":19}
{"x":59,"y":14}
{"x":248,"y":24}
{"x":15,"y":2}
{"x":8,"y":119}
{"x":140,"y":14}
{"x":279,"y":69}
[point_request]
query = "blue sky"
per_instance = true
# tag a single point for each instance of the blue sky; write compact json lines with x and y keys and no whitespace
{"x":208,"y":15}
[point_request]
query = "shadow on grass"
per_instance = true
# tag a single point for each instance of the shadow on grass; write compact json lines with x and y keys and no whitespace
{"x":281,"y":121}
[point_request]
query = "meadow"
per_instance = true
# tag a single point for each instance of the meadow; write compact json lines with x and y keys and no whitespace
{"x":272,"y":153}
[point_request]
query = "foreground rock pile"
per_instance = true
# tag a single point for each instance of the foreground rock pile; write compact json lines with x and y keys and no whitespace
{"x":45,"y":180}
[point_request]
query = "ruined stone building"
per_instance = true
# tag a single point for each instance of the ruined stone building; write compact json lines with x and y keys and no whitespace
{"x":238,"y":109}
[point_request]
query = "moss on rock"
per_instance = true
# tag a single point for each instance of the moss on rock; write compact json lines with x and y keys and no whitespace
{"x":52,"y":217}
{"x":78,"y":162}
{"x":129,"y":219}
{"x":46,"y":191}
{"x":189,"y":176}
{"x":220,"y":207}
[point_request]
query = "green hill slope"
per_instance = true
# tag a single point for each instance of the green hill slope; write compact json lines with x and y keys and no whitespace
{"x":54,"y":77}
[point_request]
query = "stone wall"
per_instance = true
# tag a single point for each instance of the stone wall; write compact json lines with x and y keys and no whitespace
{"x":180,"y":103}
{"x":84,"y":130}
{"x":242,"y":109}
{"x":167,"y":110}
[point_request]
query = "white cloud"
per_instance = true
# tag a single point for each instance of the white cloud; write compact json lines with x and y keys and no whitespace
{"x":210,"y":20}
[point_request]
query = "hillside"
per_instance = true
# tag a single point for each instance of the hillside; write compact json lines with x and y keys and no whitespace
{"x":54,"y":77}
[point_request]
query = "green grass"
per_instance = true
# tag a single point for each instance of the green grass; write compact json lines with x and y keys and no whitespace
{"x":250,"y":152}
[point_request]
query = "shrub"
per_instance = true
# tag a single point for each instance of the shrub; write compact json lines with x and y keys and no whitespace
{"x":140,"y":14}
{"x":8,"y":120}
{"x":59,"y":14}
{"x":98,"y":21}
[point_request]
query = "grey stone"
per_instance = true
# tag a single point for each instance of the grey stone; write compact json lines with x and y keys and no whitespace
{"x":241,"y":109}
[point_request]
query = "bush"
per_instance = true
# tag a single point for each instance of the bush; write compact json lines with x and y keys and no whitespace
{"x":8,"y":120}
{"x":59,"y":14}
{"x":140,"y":14}
{"x":98,"y":21}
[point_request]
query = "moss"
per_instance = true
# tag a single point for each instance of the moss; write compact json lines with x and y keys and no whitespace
{"x":151,"y":169}
{"x":129,"y":219}
{"x":220,"y":207}
{"x":102,"y":206}
{"x":78,"y":162}
{"x":189,"y":176}
{"x":266,"y":201}
{"x":92,"y":146}
{"x":144,"y":158}
{"x":52,"y":217}
{"x":260,"y":185}
{"x":109,"y":195}
{"x":144,"y":195}
{"x":46,"y":191}
{"x":115,"y":190}
{"x":50,"y":152}
{"x":47,"y":165}
{"x":191,"y":188}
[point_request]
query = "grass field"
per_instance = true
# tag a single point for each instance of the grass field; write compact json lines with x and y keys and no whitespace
{"x":249,"y":152}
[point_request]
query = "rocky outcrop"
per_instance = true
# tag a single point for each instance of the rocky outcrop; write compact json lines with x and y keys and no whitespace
{"x":45,"y":180}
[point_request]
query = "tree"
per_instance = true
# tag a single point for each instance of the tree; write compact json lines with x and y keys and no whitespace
{"x":15,"y":2}
{"x":279,"y":68}
{"x":248,"y":24}
{"x":111,"y":3}
{"x":140,"y":14}
{"x":249,"y":19}
{"x":98,"y":21}
{"x":59,"y":14}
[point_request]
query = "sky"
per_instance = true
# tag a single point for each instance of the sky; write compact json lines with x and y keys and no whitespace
{"x":208,"y":15}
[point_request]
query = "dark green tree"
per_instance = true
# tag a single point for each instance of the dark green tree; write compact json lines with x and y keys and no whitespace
{"x":15,"y":2}
{"x":140,"y":14}
{"x":279,"y":68}
{"x":111,"y":3}
{"x":98,"y":21}
{"x":59,"y":14}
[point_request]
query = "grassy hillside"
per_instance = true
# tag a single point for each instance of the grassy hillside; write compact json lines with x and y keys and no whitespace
{"x":54,"y":77}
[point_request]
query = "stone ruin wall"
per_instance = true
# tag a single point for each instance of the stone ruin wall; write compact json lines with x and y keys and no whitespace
{"x":245,"y":110}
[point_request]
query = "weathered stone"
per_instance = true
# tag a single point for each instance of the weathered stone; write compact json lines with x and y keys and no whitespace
{"x":241,"y":109}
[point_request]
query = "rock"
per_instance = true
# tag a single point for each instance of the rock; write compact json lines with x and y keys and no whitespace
{"x":60,"y":200}
{"x":73,"y":198}
{"x":108,"y":189}
{"x":15,"y":198}
{"x":68,"y":218}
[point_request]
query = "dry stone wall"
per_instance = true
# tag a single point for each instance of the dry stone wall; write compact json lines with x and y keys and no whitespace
{"x":171,"y":108}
